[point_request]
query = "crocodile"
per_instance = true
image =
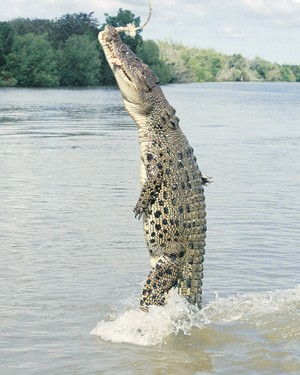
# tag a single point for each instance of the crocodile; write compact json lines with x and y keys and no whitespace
{"x":171,"y":200}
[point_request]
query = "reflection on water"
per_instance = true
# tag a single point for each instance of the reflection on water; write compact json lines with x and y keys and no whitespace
{"x":72,"y":254}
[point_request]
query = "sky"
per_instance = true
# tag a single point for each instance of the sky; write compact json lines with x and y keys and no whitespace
{"x":269,"y":29}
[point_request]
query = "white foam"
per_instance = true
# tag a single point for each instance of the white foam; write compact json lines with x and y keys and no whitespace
{"x":247,"y":306}
{"x":136,"y":327}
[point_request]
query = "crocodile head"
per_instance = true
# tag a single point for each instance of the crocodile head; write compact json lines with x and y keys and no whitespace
{"x":137,"y":83}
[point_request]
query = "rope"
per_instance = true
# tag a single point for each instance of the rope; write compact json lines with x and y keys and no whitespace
{"x":130,"y":29}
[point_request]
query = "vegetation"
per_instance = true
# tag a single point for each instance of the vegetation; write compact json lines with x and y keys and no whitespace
{"x":32,"y":62}
{"x":79,"y":62}
{"x":148,"y":51}
{"x":66,"y":52}
{"x":50,"y":53}
{"x":202,"y":65}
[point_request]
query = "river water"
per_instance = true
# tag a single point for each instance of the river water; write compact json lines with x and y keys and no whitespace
{"x":73,"y":258}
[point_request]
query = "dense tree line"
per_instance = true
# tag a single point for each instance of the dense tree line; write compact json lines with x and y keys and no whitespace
{"x":66,"y":52}
{"x":202,"y":65}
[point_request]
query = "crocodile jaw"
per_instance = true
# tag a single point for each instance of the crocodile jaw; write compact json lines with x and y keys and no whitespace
{"x":110,"y":43}
{"x":134,"y":77}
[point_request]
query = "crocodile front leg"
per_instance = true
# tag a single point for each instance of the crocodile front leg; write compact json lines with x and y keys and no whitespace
{"x":151,"y":187}
{"x":149,"y":192}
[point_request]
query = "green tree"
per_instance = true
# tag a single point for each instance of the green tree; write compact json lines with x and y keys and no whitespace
{"x":80,"y":64}
{"x":237,"y":61}
{"x":296,"y":70}
{"x":73,"y":24}
{"x":6,"y":40}
{"x":287,"y":74}
{"x":238,"y":65}
{"x":148,"y":51}
{"x":176,"y":56}
{"x":265,"y":70}
{"x":36,"y":26}
{"x":32,"y":62}
{"x":236,"y":68}
{"x":205,"y":63}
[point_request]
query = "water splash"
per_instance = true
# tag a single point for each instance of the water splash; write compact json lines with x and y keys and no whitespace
{"x":136,"y":327}
{"x":250,"y":306}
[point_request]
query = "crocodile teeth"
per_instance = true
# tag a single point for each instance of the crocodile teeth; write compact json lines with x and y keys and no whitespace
{"x":115,"y":61}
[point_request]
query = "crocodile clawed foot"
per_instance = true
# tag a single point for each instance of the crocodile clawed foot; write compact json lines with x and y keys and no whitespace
{"x":142,"y":207}
{"x":138,"y":211}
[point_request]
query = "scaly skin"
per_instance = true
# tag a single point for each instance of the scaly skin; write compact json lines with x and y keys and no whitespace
{"x":171,"y":201}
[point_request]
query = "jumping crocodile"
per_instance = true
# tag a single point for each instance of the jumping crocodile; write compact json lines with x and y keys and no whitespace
{"x":171,"y":201}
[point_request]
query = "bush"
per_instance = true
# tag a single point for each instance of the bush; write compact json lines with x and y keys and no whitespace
{"x":148,"y":51}
{"x":80,"y":64}
{"x":32,"y":62}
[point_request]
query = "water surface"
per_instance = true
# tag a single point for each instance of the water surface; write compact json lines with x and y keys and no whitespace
{"x":73,"y":258}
